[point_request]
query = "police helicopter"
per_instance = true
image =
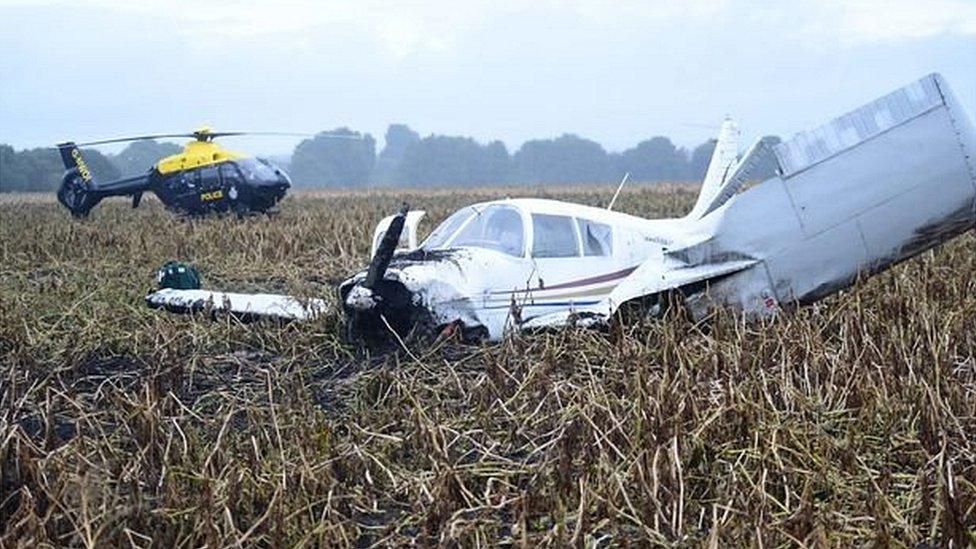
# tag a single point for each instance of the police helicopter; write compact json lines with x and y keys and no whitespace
{"x":203,"y":178}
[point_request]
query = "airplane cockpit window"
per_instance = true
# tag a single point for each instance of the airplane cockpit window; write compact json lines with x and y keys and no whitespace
{"x":597,"y":237}
{"x":553,"y":236}
{"x":495,"y":227}
{"x":438,"y":237}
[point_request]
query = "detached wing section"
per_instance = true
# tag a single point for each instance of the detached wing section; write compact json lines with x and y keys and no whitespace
{"x":244,"y":306}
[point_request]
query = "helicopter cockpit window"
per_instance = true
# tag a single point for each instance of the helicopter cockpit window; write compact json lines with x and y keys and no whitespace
{"x":189,"y":178}
{"x":229,"y":174}
{"x":553,"y":236}
{"x":258,"y":170}
{"x":597,"y":237}
{"x":208,"y":177}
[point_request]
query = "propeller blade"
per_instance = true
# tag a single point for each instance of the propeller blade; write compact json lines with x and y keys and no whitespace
{"x":381,"y":261}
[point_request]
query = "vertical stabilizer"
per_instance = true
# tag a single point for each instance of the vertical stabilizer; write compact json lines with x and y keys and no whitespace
{"x":722,"y":164}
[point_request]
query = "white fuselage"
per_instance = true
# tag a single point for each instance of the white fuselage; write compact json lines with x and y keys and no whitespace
{"x":479,"y":285}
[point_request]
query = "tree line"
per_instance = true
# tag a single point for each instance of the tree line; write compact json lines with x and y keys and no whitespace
{"x":345,"y":158}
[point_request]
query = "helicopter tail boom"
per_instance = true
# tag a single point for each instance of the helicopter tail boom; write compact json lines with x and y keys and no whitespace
{"x":79,"y":192}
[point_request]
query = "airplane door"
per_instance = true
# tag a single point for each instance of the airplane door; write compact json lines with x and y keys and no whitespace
{"x":573,"y":260}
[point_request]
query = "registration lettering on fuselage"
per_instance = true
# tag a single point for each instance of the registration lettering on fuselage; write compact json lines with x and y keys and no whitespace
{"x":80,"y":163}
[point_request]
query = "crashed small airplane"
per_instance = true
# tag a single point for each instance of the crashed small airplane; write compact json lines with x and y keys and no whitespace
{"x":873,"y":187}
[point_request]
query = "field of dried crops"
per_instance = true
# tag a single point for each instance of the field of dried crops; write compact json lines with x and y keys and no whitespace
{"x":848,"y":423}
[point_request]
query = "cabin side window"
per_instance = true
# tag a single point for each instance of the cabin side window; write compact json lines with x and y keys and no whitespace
{"x":229,"y":174}
{"x":597,"y":238}
{"x":208,"y":177}
{"x":554,"y":236}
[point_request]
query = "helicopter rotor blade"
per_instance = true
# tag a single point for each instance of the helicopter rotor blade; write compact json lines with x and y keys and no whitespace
{"x":213,"y":135}
{"x":288,"y":134}
{"x":136,"y":138}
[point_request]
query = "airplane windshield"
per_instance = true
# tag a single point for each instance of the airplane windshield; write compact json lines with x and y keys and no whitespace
{"x":439,"y":237}
{"x":495,"y":227}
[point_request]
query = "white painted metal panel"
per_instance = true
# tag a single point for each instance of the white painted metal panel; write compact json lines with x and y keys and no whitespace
{"x":923,"y":152}
{"x":247,"y":305}
{"x":811,"y":147}
{"x":818,"y":266}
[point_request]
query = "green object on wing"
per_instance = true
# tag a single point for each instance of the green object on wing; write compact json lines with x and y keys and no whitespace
{"x":179,"y":276}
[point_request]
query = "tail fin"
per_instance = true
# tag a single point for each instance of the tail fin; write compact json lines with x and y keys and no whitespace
{"x":71,"y":157}
{"x":721,"y":166}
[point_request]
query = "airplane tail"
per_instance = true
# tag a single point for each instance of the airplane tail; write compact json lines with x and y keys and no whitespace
{"x":720,"y":167}
{"x":79,"y":192}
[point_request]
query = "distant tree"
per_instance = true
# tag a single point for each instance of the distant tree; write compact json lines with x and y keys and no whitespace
{"x":399,"y":137}
{"x":139,"y":156}
{"x":41,"y":169}
{"x":566,"y":159}
{"x":330,"y":161}
{"x":100,"y":165}
{"x":448,"y":160}
{"x":496,"y":164}
{"x":700,"y":157}
{"x":13,"y":170}
{"x":656,"y":159}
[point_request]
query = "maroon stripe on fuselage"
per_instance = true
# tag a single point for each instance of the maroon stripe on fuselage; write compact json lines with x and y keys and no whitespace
{"x":609,"y":277}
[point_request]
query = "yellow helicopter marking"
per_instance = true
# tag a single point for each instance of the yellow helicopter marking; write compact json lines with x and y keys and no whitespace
{"x":196,"y":154}
{"x":213,"y":195}
{"x":80,"y":163}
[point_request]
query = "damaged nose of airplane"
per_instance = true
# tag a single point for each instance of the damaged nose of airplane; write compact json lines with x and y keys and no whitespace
{"x":377,"y":317}
{"x":376,"y":305}
{"x":361,"y":298}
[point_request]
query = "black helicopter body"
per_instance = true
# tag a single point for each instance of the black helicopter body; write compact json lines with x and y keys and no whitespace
{"x":203,"y":178}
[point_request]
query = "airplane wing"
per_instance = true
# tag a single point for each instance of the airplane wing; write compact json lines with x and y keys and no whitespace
{"x":244,"y":306}
{"x":651,"y":277}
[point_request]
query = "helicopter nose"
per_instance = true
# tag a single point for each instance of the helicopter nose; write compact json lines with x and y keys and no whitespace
{"x":285,"y":180}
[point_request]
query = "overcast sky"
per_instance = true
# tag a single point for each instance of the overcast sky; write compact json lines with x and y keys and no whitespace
{"x":616,"y":72}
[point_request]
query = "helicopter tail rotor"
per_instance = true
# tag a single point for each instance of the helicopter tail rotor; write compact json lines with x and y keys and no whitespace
{"x":75,"y":192}
{"x":75,"y":195}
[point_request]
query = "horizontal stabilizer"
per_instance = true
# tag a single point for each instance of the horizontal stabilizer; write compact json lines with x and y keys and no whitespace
{"x":239,"y":305}
{"x":743,"y":172}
